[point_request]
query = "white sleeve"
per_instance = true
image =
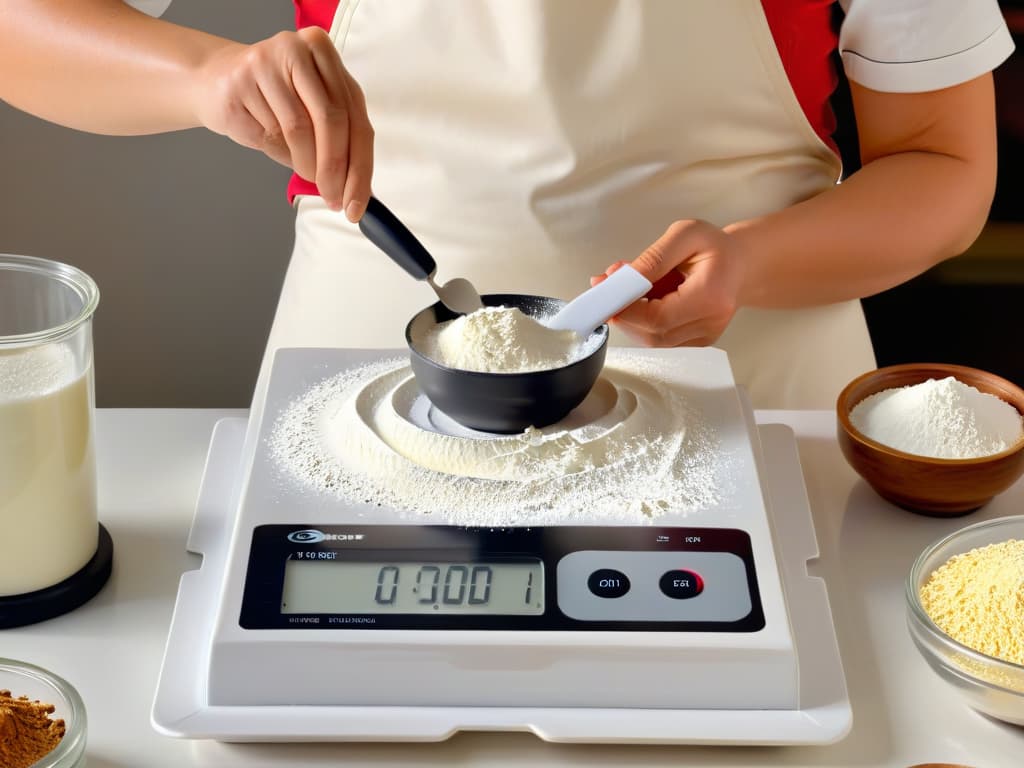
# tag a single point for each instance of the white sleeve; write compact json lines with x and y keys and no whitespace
{"x":151,"y":7}
{"x":910,"y":46}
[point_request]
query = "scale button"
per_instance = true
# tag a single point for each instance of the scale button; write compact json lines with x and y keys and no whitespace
{"x":681,"y":584}
{"x":607,"y":582}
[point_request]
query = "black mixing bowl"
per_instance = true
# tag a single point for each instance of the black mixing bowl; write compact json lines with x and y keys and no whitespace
{"x":503,"y":402}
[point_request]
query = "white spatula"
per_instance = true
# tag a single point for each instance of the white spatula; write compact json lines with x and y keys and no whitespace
{"x":606,"y":299}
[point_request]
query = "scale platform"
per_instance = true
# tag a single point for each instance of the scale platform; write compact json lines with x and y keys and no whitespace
{"x":315,"y":619}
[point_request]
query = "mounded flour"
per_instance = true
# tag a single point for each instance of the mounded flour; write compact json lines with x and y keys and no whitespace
{"x":939,"y":418}
{"x":642,"y":450}
{"x":502,"y":340}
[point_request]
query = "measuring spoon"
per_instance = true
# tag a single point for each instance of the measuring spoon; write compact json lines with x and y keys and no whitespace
{"x":592,"y":308}
{"x":384,"y":230}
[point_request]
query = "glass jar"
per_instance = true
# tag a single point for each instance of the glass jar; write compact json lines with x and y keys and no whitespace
{"x":53,"y":553}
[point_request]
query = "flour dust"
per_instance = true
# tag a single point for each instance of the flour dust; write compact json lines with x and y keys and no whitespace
{"x":644,"y":451}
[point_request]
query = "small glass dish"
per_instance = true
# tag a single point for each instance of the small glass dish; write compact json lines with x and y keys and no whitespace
{"x":990,"y":685}
{"x":37,"y":684}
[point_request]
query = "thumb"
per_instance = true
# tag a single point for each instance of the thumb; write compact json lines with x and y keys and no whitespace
{"x":660,"y":258}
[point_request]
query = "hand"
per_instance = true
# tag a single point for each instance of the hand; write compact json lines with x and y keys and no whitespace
{"x":697,"y":271}
{"x":291,"y":98}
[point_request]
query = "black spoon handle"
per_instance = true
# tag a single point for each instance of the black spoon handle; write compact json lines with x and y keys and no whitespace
{"x":384,"y":230}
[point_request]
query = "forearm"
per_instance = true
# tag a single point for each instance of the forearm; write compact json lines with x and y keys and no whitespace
{"x":100,"y":66}
{"x":892,"y":220}
{"x":922,"y":196}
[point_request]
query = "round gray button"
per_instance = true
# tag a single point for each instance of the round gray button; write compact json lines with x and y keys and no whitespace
{"x":607,"y":582}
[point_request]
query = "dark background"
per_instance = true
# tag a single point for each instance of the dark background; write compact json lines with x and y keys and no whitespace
{"x":968,"y":310}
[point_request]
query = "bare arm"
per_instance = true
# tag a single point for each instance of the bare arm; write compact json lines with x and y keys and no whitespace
{"x":103,"y":67}
{"x":100,"y":65}
{"x":922,"y":196}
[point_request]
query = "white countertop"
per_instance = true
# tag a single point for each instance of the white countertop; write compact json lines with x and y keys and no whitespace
{"x":150,"y":464}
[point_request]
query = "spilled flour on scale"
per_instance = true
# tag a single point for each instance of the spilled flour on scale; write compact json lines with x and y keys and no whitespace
{"x":644,"y":452}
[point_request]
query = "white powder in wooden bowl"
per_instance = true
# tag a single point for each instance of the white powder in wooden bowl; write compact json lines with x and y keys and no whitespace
{"x":944,"y":419}
{"x":502,"y":340}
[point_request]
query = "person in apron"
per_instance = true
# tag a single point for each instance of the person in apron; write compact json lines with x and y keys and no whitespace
{"x":532,"y":145}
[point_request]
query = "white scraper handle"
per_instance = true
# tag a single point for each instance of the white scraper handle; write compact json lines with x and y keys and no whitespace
{"x":606,"y":299}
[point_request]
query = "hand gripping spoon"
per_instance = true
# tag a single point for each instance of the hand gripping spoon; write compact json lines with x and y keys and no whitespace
{"x":384,"y":230}
{"x":606,"y":299}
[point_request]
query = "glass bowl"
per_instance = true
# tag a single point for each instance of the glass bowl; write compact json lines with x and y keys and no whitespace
{"x":990,"y":685}
{"x":23,"y":679}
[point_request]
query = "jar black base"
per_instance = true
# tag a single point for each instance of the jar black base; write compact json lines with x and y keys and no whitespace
{"x":65,"y":596}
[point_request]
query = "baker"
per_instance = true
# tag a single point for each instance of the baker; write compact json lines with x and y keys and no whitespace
{"x":532,"y":145}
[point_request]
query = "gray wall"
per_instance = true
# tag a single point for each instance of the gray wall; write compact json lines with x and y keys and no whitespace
{"x":187,"y":235}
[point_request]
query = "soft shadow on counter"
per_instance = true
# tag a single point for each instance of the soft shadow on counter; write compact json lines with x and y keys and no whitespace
{"x":508,"y":750}
{"x":98,"y":761}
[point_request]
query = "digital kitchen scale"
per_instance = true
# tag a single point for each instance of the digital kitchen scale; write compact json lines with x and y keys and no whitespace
{"x":311,"y":619}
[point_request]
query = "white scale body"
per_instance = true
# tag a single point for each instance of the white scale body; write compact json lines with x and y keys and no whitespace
{"x":315,"y":620}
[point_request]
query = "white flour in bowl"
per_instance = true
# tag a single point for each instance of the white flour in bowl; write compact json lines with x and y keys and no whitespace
{"x":502,"y":340}
{"x":645,"y":451}
{"x":943,"y":419}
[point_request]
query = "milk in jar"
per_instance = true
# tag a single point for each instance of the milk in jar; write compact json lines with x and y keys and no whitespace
{"x":48,"y":520}
{"x":55,"y":554}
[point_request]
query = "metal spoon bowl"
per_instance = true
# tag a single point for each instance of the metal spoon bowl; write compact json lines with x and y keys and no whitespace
{"x":458,"y":294}
{"x":383,"y":229}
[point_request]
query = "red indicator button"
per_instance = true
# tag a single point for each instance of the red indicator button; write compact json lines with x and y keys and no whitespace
{"x":681,"y":584}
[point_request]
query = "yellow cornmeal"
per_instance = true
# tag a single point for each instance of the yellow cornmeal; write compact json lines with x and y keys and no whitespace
{"x":977,"y":598}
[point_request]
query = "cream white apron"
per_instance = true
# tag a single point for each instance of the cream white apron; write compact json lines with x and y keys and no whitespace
{"x":530,"y":144}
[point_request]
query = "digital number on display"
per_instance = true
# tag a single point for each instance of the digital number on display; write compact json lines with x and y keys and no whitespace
{"x":335,"y":586}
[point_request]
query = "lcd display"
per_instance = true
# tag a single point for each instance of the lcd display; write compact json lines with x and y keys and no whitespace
{"x":347,"y":587}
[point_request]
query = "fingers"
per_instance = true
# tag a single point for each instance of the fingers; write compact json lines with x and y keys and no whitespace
{"x":671,"y":322}
{"x":696,"y":271}
{"x":596,"y":279}
{"x":328,"y":120}
{"x":360,"y":166}
{"x":291,"y":97}
{"x":653,"y":318}
{"x":261,"y":130}
{"x":325,"y":92}
{"x":693,"y":334}
{"x":292,"y":117}
{"x":341,"y":130}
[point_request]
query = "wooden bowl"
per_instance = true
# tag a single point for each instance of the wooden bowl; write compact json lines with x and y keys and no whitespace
{"x":929,"y":486}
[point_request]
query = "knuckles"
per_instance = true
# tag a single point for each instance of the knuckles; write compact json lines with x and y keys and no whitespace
{"x":260,"y":55}
{"x":294,"y":123}
{"x":314,"y":37}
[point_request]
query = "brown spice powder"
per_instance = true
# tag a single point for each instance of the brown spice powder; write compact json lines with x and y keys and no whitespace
{"x":27,"y":732}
